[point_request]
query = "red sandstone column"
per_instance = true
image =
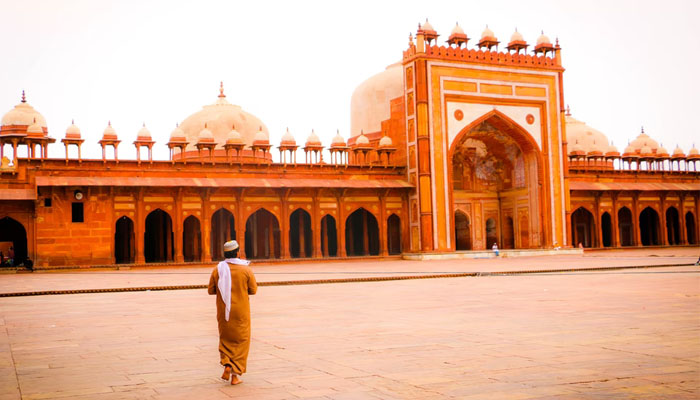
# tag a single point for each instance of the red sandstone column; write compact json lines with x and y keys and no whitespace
{"x":316,"y":233}
{"x":342,"y":252}
{"x":140,"y":228}
{"x":635,"y":220}
{"x":178,"y":221}
{"x":664,"y":229}
{"x":599,"y":225}
{"x":615,"y":222}
{"x":284,"y":226}
{"x":383,"y":246}
{"x":423,"y":147}
{"x":206,"y":227}
{"x":684,"y":233}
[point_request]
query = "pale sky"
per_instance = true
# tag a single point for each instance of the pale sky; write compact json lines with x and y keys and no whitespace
{"x":296,"y":63}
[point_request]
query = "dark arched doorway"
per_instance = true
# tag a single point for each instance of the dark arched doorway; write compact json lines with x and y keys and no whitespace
{"x":361,"y":234}
{"x":524,"y":232}
{"x":393,"y":234}
{"x":124,"y":241}
{"x":463,"y":239}
{"x":329,"y":237}
{"x":624,"y":226}
{"x":582,"y":227}
{"x":606,"y":227}
{"x":300,"y":239}
{"x":191,"y":239}
{"x":13,"y":239}
{"x":690,"y":228}
{"x":508,"y":233}
{"x":158,"y":238}
{"x":649,"y":227}
{"x":491,"y":232}
{"x":223,"y":229}
{"x":262,"y":235}
{"x":673,"y":226}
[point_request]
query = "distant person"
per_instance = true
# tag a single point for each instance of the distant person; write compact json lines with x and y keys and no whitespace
{"x":11,"y":256}
{"x":232,"y":281}
{"x":495,"y":249}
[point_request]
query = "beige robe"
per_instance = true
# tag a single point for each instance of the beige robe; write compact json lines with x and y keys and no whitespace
{"x":234,"y":334}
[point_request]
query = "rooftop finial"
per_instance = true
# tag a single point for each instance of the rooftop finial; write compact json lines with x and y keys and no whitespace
{"x":72,"y":121}
{"x":221,"y":89}
{"x":24,"y":98}
{"x":109,"y":123}
{"x":642,"y":129}
{"x":233,"y":127}
{"x":144,"y":124}
{"x":568,"y":111}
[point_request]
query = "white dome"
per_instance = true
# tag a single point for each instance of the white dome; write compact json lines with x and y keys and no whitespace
{"x":678,"y":152}
{"x":288,"y":139}
{"x":219,"y":118}
{"x":261,"y":137}
{"x":362,"y":140}
{"x":338,"y":140}
{"x":205,"y":136}
{"x":457,"y":30}
{"x":109,"y":132}
{"x":35,"y":129}
{"x":694,"y":151}
{"x":487,"y":34}
{"x":22,"y":115}
{"x":589,"y":140}
{"x":385,"y":141}
{"x":234,"y":137}
{"x":543,"y":39}
{"x":426,"y":26}
{"x":371,"y":100}
{"x":662,"y":152}
{"x":72,"y":132}
{"x":177,"y":135}
{"x":644,"y":140}
{"x":646,"y":151}
{"x":612,"y":150}
{"x":144,"y":133}
{"x":517,"y":37}
{"x":313,"y":140}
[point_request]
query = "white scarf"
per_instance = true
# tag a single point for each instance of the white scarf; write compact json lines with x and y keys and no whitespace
{"x":224,"y":284}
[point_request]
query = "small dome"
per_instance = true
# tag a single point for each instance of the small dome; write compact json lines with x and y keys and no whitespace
{"x":662,"y":152}
{"x":338,"y":140}
{"x":457,"y":30}
{"x":234,"y":137}
{"x":543,"y":39}
{"x":205,"y":136}
{"x":362,"y":140}
{"x":35,"y":129}
{"x":144,"y":134}
{"x":72,"y":132}
{"x":517,"y":37}
{"x":385,"y":141}
{"x":313,"y":140}
{"x":487,"y":34}
{"x":261,"y":138}
{"x":109,"y":132}
{"x":646,"y":151}
{"x":426,"y":26}
{"x":288,"y":139}
{"x":693,"y":152}
{"x":612,"y":151}
{"x":630,"y":151}
{"x":178,"y":135}
{"x":589,"y":139}
{"x":644,"y":140}
{"x":576,"y":148}
{"x":678,"y":152}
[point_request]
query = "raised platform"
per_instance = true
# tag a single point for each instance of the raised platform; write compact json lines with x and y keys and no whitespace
{"x":463,"y":254}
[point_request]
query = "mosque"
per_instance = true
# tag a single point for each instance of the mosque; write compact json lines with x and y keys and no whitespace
{"x":452,"y":149}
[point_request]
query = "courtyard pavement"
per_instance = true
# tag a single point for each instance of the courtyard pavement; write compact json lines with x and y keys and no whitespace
{"x":582,"y":335}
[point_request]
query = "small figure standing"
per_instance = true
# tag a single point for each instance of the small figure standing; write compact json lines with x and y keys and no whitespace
{"x":495,"y":249}
{"x":232,"y":281}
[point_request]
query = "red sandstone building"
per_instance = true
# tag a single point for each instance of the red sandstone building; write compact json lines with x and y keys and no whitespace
{"x":451,"y":149}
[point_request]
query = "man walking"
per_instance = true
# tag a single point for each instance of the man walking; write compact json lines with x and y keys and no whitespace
{"x":232,"y":281}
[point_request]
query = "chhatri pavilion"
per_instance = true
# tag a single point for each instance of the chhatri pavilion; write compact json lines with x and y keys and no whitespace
{"x":454,"y":148}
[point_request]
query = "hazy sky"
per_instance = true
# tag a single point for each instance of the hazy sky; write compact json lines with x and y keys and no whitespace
{"x":296,"y":63}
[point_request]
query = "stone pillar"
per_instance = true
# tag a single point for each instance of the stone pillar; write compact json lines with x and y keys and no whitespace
{"x":316,"y":229}
{"x":284,"y":226}
{"x":598,"y":240}
{"x":342,"y":252}
{"x":681,"y":216}
{"x":140,"y":228}
{"x":615,"y":221}
{"x":178,"y":221}
{"x":423,"y":148}
{"x":662,"y":221}
{"x":205,"y":227}
{"x":635,"y":220}
{"x":382,"y":225}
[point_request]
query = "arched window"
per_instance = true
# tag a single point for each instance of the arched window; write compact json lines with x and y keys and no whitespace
{"x":262,"y":235}
{"x":158,"y":237}
{"x":361,"y":234}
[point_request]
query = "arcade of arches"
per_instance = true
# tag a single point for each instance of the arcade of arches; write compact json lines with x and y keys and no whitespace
{"x":496,"y":188}
{"x":651,"y":227}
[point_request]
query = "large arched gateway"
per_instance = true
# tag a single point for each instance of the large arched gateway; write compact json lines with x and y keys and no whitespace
{"x":14,"y":236}
{"x":496,"y":174}
{"x":262,"y":235}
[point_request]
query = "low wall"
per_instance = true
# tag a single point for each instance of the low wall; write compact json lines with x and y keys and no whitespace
{"x":491,"y":254}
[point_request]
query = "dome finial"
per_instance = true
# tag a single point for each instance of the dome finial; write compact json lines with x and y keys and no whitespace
{"x":221,"y":89}
{"x":24,"y":98}
{"x":642,"y":129}
{"x":568,"y":111}
{"x":109,"y":123}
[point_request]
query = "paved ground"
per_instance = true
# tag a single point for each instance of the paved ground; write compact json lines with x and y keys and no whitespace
{"x":194,"y":275}
{"x":617,"y":334}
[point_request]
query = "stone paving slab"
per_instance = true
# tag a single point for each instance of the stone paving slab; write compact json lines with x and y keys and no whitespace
{"x":617,"y":334}
{"x":198,"y":275}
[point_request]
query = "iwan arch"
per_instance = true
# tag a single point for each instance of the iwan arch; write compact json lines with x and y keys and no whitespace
{"x":452,"y":149}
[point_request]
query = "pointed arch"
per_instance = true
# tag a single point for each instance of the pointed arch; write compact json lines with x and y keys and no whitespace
{"x":625,"y":226}
{"x":262,"y":235}
{"x":463,"y":239}
{"x":191,"y":239}
{"x":582,"y":227}
{"x":649,"y":227}
{"x":690,"y":228}
{"x":393,"y":234}
{"x":158,"y":237}
{"x":223,"y":229}
{"x":361,"y":233}
{"x":124,"y":249}
{"x":300,"y":235}
{"x":673,"y":226}
{"x":606,"y":229}
{"x":329,"y":236}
